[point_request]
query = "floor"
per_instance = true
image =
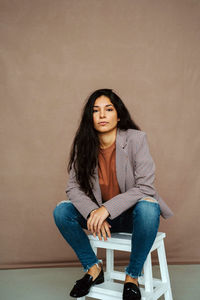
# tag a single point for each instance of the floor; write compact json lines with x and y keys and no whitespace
{"x":56,"y":283}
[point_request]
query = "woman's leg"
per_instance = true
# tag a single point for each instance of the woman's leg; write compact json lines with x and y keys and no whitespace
{"x":146,"y":219}
{"x":70,"y":224}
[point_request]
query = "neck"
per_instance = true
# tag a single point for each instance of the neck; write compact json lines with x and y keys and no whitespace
{"x":107,"y":139}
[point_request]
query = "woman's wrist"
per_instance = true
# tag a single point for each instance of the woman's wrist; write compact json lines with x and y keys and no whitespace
{"x":106,"y":210}
{"x":91,"y":212}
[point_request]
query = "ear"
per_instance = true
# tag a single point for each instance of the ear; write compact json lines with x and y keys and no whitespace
{"x":118,"y":119}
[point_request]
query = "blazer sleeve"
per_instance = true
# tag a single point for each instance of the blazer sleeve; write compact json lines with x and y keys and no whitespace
{"x":79,"y":199}
{"x":144,"y":172}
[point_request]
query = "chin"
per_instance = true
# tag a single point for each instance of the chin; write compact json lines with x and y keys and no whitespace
{"x":105,"y":130}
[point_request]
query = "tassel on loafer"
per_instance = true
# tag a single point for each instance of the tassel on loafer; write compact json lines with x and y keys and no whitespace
{"x":131,"y":291}
{"x":83,"y":285}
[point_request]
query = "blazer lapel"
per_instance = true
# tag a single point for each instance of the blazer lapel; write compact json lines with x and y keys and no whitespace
{"x":121,"y":166}
{"x":121,"y":159}
{"x":96,"y":187}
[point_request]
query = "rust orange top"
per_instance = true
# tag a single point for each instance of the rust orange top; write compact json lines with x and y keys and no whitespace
{"x":107,"y":172}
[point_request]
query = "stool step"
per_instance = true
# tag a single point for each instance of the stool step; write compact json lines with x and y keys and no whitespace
{"x":113,"y":290}
{"x":121,"y":241}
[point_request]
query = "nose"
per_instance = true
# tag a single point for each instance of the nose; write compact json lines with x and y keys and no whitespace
{"x":102,"y":113}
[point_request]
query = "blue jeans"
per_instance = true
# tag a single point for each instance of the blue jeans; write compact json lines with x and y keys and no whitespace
{"x":142,"y":220}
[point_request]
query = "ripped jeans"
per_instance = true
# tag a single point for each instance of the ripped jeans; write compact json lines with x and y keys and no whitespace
{"x":142,"y":220}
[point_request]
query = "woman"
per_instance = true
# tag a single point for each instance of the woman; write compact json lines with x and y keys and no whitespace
{"x":110,"y":189}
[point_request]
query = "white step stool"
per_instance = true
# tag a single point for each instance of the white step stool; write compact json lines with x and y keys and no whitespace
{"x":110,"y":290}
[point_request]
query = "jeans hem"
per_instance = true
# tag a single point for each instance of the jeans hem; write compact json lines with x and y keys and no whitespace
{"x":99,"y":261}
{"x":133,"y":275}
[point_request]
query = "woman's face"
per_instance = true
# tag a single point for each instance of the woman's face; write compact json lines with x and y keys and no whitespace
{"x":104,"y":115}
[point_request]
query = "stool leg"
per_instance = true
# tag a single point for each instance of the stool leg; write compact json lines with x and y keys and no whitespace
{"x":93,"y":247}
{"x":109,"y":264}
{"x":164,"y":270}
{"x":148,"y":278}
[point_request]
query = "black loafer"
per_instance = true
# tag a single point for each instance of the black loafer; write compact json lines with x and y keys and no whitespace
{"x":83,"y":285}
{"x":131,"y":291}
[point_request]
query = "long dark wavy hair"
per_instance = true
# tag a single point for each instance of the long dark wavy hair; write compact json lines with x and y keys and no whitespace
{"x":84,"y":151}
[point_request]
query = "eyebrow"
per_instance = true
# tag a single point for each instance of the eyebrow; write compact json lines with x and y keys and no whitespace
{"x":105,"y":105}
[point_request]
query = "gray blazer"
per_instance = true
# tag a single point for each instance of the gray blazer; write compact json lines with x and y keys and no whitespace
{"x":135,"y":170}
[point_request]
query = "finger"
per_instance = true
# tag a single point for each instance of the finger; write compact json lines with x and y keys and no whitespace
{"x":108,"y":232}
{"x":90,"y":224}
{"x":103,"y":232}
{"x":93,"y":229}
{"x":107,"y":229}
{"x":96,"y":224}
{"x":99,"y":236}
{"x":99,"y":225}
{"x":93,"y":232}
{"x":90,"y":218}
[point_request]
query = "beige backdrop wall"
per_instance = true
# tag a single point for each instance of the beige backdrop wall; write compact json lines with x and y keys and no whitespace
{"x":53,"y":55}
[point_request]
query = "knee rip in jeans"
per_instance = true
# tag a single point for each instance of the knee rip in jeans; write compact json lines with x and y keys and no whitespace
{"x":149,"y":199}
{"x":63,"y":201}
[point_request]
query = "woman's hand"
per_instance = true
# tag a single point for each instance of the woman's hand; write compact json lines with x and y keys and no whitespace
{"x":104,"y":231}
{"x":96,"y":220}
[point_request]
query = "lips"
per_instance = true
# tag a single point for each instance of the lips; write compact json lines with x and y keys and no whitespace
{"x":103,"y":123}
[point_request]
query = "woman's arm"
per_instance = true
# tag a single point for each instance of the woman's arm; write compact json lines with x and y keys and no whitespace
{"x":80,"y":200}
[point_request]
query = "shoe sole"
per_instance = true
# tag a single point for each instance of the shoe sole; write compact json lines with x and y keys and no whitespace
{"x":99,"y":281}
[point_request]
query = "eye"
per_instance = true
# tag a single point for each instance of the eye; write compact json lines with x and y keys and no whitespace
{"x":109,"y":109}
{"x":95,"y":110}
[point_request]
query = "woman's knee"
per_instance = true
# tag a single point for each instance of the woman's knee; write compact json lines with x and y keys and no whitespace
{"x":63,"y":211}
{"x":148,"y":209}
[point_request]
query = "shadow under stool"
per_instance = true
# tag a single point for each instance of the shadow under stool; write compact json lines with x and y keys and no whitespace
{"x":151,"y":289}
